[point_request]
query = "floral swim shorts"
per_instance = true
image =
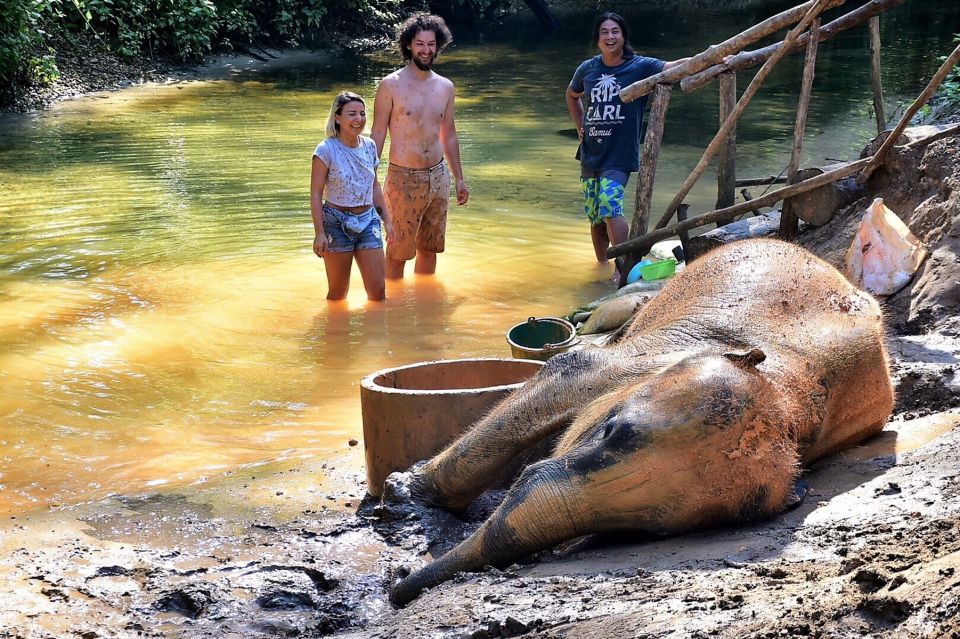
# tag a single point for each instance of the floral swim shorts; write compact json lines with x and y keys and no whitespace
{"x":603,"y":194}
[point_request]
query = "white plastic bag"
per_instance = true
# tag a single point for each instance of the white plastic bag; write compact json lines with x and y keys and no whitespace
{"x":884,"y":255}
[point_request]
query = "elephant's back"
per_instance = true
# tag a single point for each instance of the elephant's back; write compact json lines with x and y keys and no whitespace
{"x":771,"y":290}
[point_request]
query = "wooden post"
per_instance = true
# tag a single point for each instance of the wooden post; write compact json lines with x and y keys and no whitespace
{"x":922,"y":99}
{"x":875,"y":73}
{"x":789,"y":223}
{"x":649,"y":155}
{"x":727,"y":171}
{"x":752,"y":89}
{"x":746,"y":59}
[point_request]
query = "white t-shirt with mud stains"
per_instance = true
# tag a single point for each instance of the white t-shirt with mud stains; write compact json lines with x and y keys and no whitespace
{"x":350,"y":172}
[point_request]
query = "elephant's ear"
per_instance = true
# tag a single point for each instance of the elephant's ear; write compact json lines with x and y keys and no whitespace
{"x":745,"y":359}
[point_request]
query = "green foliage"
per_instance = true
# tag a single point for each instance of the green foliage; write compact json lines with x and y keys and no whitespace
{"x":950,"y":89}
{"x":187,"y":30}
{"x":944,"y":106}
{"x":23,"y":56}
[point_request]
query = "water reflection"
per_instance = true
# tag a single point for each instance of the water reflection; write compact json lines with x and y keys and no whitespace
{"x":163,"y":321}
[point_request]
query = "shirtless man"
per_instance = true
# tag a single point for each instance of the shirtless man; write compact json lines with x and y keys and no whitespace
{"x":415,"y":106}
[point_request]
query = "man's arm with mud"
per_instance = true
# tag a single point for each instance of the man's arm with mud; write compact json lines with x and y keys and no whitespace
{"x":382,"y":107}
{"x":451,"y":148}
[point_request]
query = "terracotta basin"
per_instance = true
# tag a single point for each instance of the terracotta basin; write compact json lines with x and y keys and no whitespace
{"x":412,"y":412}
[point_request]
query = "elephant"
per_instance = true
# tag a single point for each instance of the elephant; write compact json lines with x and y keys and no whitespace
{"x":702,"y":410}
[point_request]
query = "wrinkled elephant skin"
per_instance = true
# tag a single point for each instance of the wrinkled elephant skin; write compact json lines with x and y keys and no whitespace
{"x":757,"y":360}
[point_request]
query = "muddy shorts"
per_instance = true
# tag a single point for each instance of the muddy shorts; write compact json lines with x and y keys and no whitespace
{"x":348,"y":232}
{"x":417,"y":200}
{"x":603,"y":194}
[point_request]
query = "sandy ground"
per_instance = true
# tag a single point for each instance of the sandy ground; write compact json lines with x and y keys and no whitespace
{"x":873,"y":551}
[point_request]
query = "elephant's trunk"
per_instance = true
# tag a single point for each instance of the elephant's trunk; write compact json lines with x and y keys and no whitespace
{"x":534,"y":515}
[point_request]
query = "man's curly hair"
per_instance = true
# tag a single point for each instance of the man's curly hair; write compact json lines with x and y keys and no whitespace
{"x":422,"y":22}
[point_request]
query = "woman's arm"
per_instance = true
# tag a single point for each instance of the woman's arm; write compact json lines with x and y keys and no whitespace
{"x":318,"y":180}
{"x":380,"y":203}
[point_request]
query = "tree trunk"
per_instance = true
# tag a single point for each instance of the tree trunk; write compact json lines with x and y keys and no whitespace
{"x":817,"y":207}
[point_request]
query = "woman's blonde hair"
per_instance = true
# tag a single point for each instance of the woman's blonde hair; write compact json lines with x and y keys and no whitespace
{"x":342,"y":98}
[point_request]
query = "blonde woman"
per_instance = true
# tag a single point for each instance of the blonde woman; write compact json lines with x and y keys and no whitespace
{"x":346,"y":202}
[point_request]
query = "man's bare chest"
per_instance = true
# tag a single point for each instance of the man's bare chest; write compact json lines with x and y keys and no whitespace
{"x":421,"y":109}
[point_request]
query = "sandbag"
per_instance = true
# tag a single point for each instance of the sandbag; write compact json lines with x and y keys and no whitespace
{"x":612,"y":314}
{"x":884,"y":255}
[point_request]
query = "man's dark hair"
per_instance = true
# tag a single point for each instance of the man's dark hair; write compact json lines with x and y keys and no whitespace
{"x":628,"y":51}
{"x":422,"y":22}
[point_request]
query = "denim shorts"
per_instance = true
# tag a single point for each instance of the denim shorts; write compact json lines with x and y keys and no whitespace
{"x":347,"y":232}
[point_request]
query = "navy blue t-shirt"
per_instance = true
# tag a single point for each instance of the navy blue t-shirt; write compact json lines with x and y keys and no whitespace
{"x":611,"y":127}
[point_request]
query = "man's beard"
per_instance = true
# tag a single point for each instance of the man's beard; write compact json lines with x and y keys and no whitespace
{"x":424,"y":66}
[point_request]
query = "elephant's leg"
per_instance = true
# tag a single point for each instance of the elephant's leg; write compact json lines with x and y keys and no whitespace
{"x":534,"y":515}
{"x":542,"y":407}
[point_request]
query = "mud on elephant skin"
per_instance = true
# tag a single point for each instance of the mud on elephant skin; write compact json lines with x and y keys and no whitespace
{"x":757,"y":360}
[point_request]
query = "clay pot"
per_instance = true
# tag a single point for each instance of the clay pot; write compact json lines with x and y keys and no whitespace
{"x":412,"y":412}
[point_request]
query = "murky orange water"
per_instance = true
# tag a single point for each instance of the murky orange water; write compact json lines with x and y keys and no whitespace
{"x":162,"y":317}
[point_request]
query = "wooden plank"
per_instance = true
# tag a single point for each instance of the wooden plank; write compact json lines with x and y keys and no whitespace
{"x":747,"y":59}
{"x":789,"y":222}
{"x":715,"y":53}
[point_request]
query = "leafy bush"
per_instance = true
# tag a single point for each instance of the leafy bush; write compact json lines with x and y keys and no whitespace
{"x":187,"y":30}
{"x":24,"y":58}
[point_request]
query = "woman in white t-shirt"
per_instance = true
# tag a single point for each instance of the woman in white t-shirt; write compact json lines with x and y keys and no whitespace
{"x":347,"y":222}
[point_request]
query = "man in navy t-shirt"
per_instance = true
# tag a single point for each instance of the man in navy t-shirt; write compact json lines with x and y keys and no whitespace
{"x":609,"y":128}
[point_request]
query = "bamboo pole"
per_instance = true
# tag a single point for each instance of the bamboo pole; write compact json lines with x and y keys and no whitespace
{"x":875,"y":73}
{"x":728,"y":125}
{"x":746,"y":59}
{"x":789,"y":223}
{"x":715,"y":53}
{"x":727,"y":171}
{"x":922,"y":99}
{"x":643,"y":244}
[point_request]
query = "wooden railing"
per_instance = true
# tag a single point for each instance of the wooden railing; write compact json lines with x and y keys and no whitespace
{"x":723,"y":61}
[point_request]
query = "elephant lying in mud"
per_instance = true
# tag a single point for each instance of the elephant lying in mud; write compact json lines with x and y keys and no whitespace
{"x":757,"y":360}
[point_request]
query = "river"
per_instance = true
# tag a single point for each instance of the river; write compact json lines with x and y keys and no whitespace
{"x":162,"y":317}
